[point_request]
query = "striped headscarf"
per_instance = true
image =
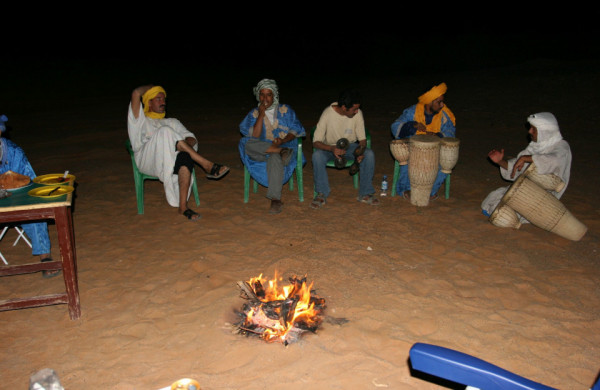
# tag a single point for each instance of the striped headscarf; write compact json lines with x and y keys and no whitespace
{"x":149,"y":95}
{"x":267,"y":84}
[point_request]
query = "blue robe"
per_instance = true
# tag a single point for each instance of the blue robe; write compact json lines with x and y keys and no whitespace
{"x":14,"y":159}
{"x":287,"y":122}
{"x":403,"y":127}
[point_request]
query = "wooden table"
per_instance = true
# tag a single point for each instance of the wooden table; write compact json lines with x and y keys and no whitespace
{"x":21,"y":207}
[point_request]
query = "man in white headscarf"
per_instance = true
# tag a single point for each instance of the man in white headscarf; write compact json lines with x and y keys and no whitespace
{"x":547,"y":149}
{"x":269,"y":145}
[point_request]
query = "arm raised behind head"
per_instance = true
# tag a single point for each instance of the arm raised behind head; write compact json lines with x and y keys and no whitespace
{"x":136,"y":98}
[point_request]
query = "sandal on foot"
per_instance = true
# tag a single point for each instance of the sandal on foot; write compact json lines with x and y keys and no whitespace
{"x":369,"y":199}
{"x":318,"y":201}
{"x":215,"y":171}
{"x":191,"y":215}
{"x":49,"y":273}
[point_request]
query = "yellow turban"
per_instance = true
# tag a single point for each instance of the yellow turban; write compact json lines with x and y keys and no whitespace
{"x":433,"y":93}
{"x":429,"y":96}
{"x":149,"y":95}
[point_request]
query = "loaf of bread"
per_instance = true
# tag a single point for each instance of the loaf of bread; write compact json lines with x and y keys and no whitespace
{"x":10,"y":180}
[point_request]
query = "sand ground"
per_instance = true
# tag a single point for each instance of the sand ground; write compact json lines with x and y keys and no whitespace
{"x":158,"y":292}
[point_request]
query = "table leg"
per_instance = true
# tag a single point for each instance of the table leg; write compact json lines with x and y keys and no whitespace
{"x":64,"y":227}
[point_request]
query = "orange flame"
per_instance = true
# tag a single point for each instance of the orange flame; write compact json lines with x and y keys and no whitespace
{"x":296,"y":296}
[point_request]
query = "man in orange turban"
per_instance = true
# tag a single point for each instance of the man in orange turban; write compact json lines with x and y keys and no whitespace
{"x":429,"y":116}
{"x":164,"y":148}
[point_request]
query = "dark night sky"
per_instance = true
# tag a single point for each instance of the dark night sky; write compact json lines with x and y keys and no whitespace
{"x":303,"y":33}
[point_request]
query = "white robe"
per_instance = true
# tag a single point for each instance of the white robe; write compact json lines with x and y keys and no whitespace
{"x":153,"y":143}
{"x":556,"y":159}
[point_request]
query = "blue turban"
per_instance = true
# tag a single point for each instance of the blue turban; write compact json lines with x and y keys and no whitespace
{"x":3,"y":120}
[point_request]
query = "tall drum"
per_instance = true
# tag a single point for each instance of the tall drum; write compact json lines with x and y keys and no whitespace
{"x":449,"y":153}
{"x":400,"y":150}
{"x":542,"y":209}
{"x":423,"y":167}
{"x":549,"y":181}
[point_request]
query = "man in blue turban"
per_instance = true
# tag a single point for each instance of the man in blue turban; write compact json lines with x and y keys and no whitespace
{"x":12,"y":158}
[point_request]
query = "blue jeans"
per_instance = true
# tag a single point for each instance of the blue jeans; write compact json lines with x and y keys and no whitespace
{"x":367,"y":168}
{"x":37,"y":232}
{"x":404,"y":181}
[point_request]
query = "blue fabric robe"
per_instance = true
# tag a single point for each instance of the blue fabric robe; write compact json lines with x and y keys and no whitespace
{"x":287,"y":122}
{"x":403,"y":127}
{"x":14,"y":159}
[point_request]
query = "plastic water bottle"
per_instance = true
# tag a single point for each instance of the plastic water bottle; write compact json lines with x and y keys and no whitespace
{"x":384,"y":186}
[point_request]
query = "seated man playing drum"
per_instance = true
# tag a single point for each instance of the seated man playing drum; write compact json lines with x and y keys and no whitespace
{"x":429,"y":116}
{"x":547,"y":149}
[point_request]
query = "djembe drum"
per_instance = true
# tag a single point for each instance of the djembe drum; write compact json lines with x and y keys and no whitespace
{"x":542,"y":209}
{"x":449,"y":147}
{"x":400,"y":150}
{"x":504,"y":216}
{"x":423,"y":167}
{"x":549,"y":181}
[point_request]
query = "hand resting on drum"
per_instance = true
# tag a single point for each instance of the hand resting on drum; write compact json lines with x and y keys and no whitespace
{"x":520,"y":163}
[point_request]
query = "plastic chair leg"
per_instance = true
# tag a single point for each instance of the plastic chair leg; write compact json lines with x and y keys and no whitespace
{"x":300,"y":183}
{"x":246,"y":184}
{"x":139,"y":192}
{"x":447,"y":186}
{"x":195,"y":188}
{"x":396,"y":174}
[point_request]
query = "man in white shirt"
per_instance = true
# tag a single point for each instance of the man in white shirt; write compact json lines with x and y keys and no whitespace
{"x":342,"y":119}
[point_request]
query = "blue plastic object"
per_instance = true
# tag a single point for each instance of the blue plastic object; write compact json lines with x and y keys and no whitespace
{"x":467,"y":370}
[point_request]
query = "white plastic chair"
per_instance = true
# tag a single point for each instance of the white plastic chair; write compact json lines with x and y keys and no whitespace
{"x":21,"y":235}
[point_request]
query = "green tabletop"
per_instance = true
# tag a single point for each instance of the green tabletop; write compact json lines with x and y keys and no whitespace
{"x":20,"y":199}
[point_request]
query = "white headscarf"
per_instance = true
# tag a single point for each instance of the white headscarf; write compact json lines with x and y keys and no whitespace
{"x":548,"y":132}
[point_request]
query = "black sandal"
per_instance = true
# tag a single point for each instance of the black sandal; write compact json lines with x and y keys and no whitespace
{"x":191,"y":215}
{"x":215,"y":171}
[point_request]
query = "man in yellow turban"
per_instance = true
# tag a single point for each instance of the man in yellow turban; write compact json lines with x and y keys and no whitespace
{"x":164,"y":148}
{"x":429,"y":116}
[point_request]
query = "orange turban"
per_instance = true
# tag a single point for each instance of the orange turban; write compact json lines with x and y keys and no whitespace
{"x":433,"y":93}
{"x":429,"y":96}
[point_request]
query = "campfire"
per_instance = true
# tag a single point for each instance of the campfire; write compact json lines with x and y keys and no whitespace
{"x":279,"y":313}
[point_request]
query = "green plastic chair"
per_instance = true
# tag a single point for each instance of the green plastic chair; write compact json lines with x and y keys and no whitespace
{"x":139,"y":178}
{"x":397,"y":174}
{"x":349,"y":162}
{"x":298,"y":169}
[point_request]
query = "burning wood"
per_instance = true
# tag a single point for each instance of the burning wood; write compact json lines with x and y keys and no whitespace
{"x":279,"y":314}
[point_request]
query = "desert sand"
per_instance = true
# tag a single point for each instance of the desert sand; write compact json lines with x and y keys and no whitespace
{"x":158,"y":292}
